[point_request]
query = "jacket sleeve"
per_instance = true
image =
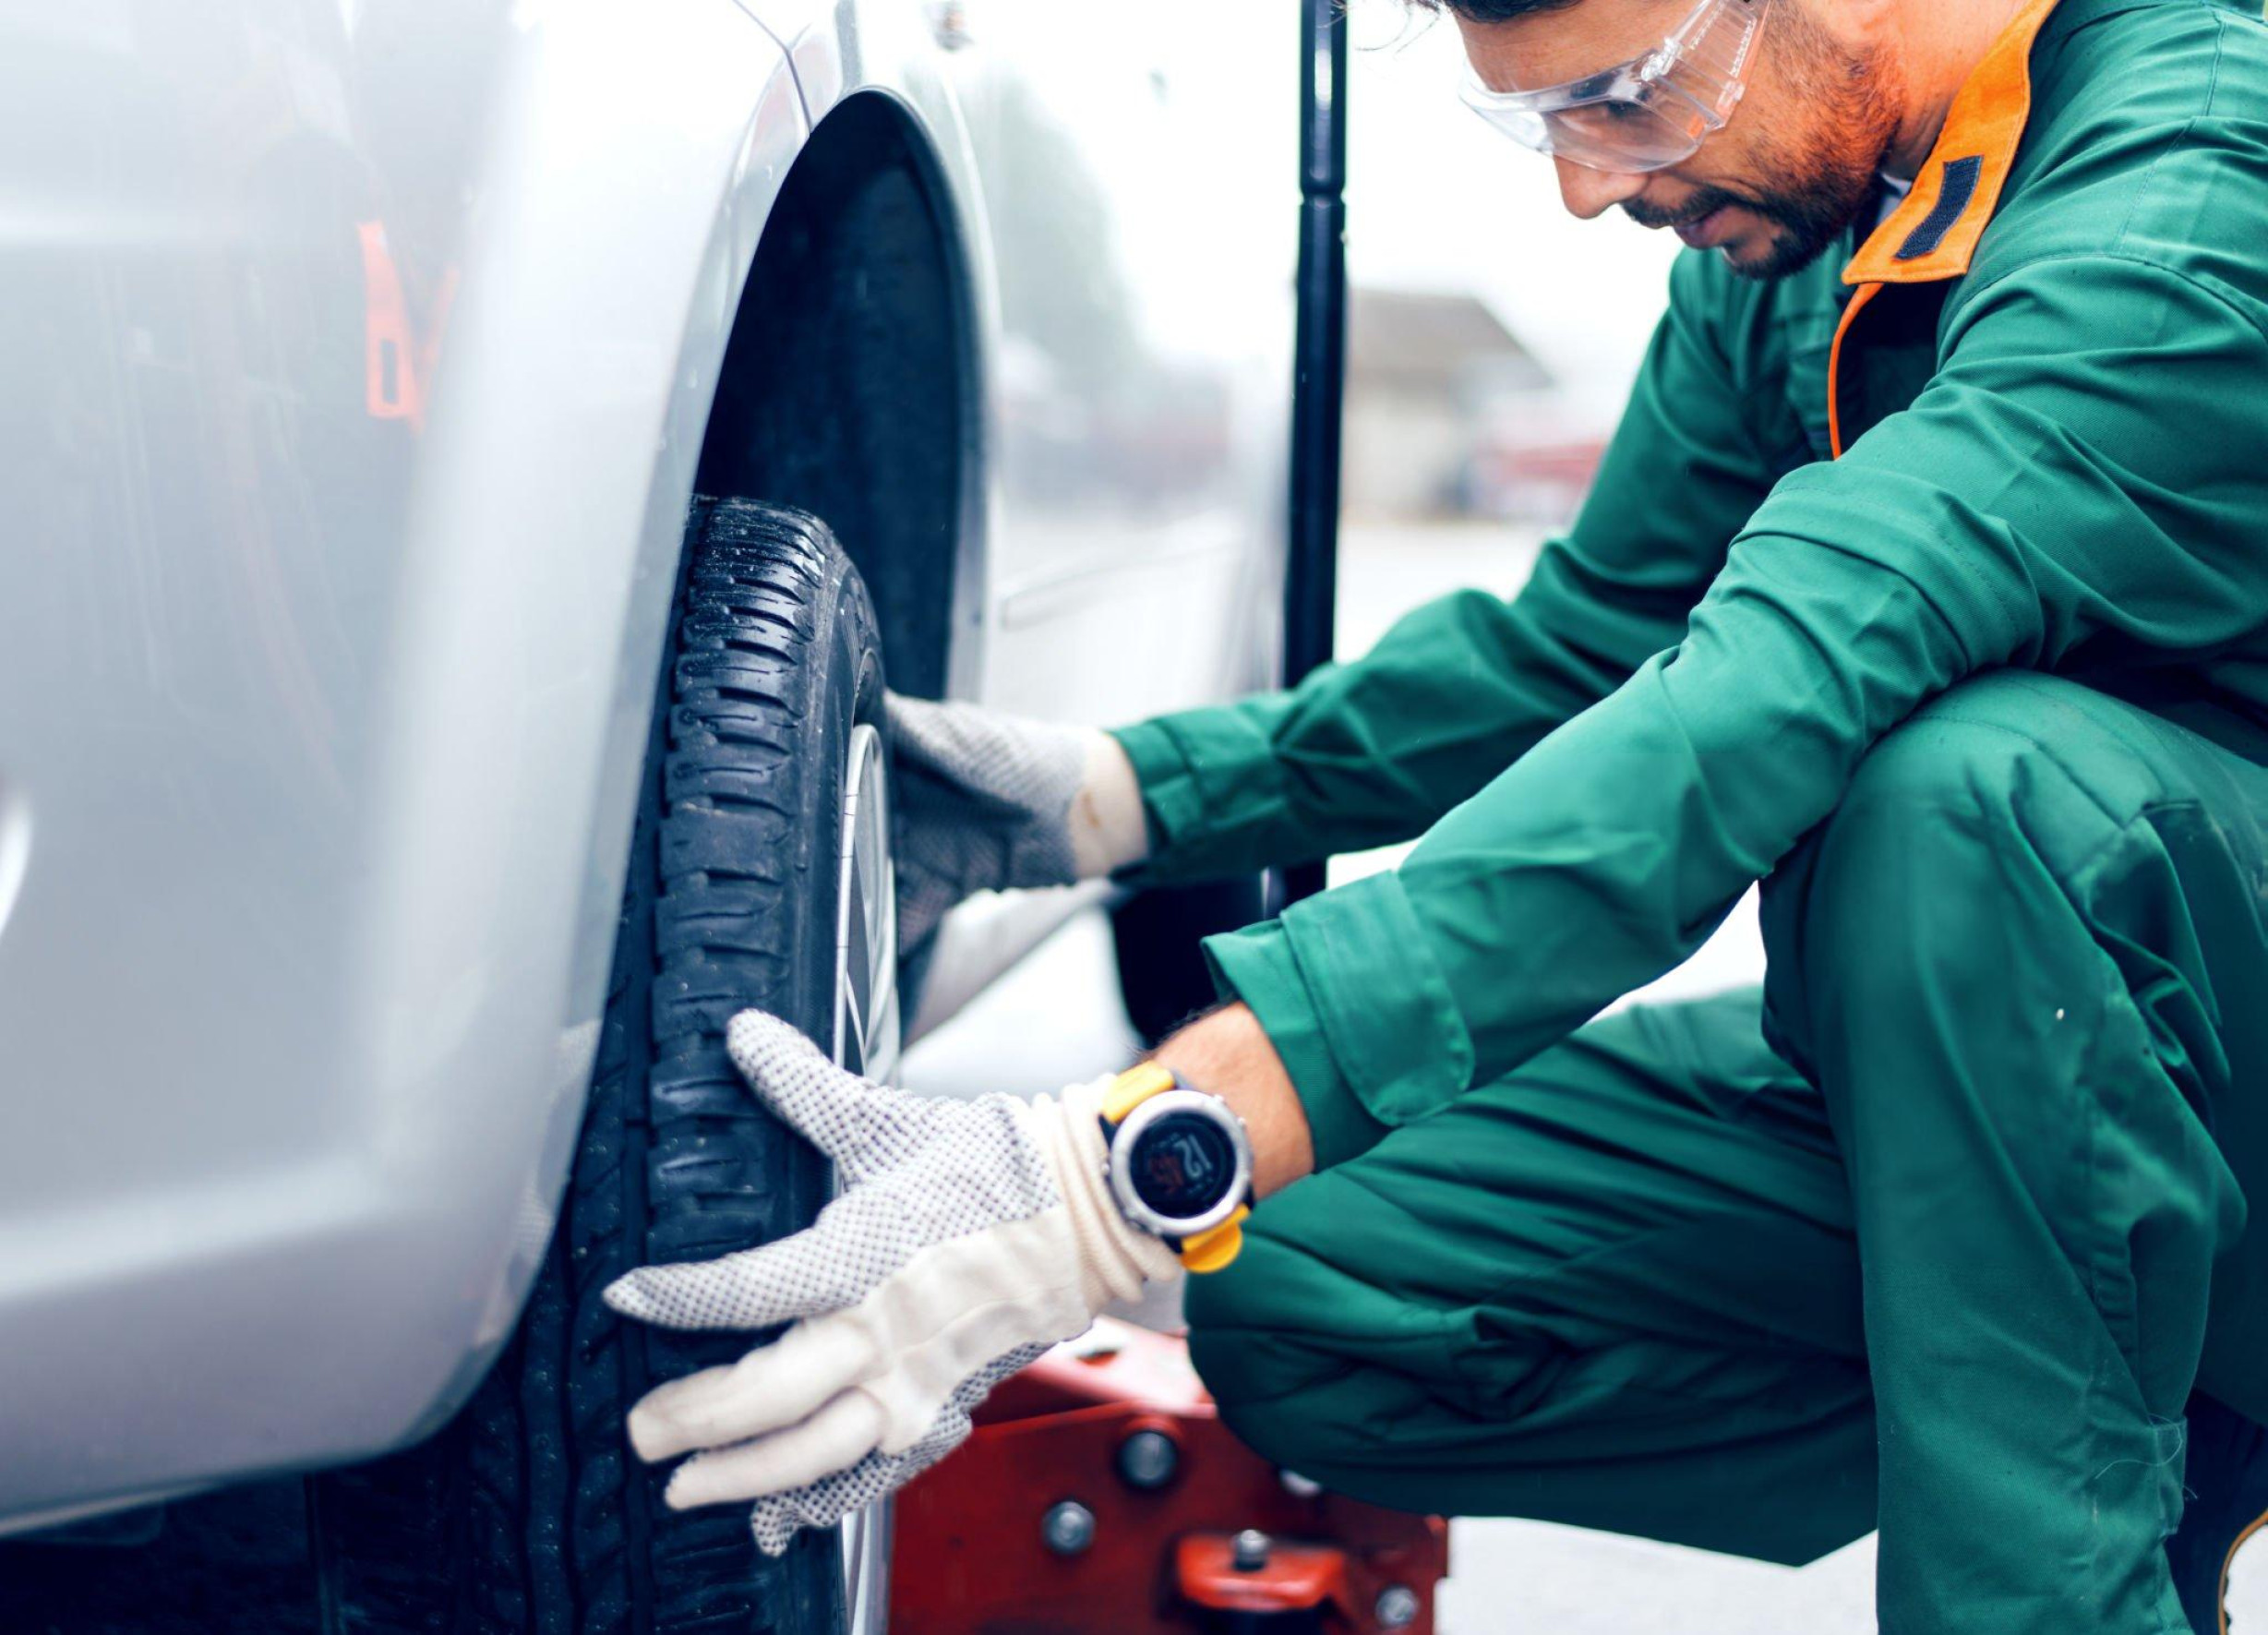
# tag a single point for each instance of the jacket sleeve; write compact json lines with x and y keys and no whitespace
{"x":2050,"y":496}
{"x":1372,"y":752}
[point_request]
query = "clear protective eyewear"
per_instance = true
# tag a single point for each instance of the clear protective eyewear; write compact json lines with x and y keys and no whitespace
{"x":1643,"y":114}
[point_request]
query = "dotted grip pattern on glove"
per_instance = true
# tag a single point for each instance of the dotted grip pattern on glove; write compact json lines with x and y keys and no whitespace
{"x":915,"y":1171}
{"x":776,"y":1518}
{"x":952,"y":1258}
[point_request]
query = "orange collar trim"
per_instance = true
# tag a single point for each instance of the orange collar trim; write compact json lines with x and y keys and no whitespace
{"x":1934,"y":232}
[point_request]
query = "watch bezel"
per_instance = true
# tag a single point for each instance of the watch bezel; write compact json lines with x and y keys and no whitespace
{"x":1164,"y":1104}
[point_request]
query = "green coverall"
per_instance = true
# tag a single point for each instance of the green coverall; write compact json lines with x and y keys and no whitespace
{"x":1947,"y":1237}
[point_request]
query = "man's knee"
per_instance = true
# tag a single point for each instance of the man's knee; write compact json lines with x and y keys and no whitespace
{"x":1243,"y":1349}
{"x":1986,"y":793}
{"x":1967,"y":763}
{"x":1317,"y":1359}
{"x":1265,"y":1383}
{"x":1950,"y":860}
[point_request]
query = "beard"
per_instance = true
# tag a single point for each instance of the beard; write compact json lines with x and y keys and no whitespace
{"x":1824,"y":175}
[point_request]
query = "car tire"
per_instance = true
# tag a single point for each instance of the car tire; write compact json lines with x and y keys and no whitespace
{"x":529,"y":1513}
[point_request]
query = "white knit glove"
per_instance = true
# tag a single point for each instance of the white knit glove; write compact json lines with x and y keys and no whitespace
{"x":987,"y":802}
{"x":969,"y":1237}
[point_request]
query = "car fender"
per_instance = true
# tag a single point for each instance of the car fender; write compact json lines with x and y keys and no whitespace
{"x":287,"y":1213}
{"x":545,"y":567}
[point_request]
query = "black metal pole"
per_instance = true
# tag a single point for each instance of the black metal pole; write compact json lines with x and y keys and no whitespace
{"x":1319,"y":362}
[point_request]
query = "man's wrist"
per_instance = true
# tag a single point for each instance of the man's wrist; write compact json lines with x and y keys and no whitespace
{"x":1109,"y":830}
{"x":1226,"y":1053}
{"x":1116,"y":1257}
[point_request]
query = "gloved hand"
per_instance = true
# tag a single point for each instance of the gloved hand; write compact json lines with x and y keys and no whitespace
{"x":970,"y":1236}
{"x":988,"y":800}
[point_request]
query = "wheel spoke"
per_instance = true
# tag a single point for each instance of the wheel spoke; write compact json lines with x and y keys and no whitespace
{"x":866,"y":1041}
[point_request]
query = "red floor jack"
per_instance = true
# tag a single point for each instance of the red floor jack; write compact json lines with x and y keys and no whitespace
{"x":1100,"y":1495}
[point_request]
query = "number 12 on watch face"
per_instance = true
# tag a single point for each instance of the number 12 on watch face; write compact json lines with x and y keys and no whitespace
{"x":1183,"y":1164}
{"x":1180,"y":1165}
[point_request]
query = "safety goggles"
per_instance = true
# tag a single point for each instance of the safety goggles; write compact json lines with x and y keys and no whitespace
{"x":1643,"y":114}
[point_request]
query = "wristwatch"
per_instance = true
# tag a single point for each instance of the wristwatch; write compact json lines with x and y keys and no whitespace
{"x":1180,"y":1164}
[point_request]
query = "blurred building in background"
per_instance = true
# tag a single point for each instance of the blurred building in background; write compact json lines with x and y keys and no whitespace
{"x":1448,"y":413}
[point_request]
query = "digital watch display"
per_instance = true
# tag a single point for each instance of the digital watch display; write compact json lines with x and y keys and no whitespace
{"x":1183,"y":1164}
{"x":1180,"y":1164}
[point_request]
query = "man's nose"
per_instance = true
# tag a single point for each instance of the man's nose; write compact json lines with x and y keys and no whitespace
{"x":1587,"y":192}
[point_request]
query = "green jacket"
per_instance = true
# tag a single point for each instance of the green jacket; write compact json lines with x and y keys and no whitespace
{"x":2047,"y":447}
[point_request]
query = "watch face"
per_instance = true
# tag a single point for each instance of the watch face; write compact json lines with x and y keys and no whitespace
{"x":1183,"y":1164}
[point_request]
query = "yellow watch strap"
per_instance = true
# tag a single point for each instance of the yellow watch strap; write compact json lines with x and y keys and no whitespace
{"x":1215,"y":1246}
{"x":1133,"y":1088}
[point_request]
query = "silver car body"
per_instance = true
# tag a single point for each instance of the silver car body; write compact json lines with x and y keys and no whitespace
{"x":358,"y":355}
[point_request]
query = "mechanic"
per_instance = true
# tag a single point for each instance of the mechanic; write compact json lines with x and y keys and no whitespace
{"x":1925,"y":580}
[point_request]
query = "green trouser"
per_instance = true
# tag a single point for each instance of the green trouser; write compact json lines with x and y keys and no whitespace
{"x":1933,"y":1246}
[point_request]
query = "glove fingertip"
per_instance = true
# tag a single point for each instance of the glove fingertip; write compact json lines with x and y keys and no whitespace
{"x":774,"y":1057}
{"x":629,"y":1297}
{"x":773,"y":1531}
{"x":699,"y":1481}
{"x":751,"y":1032}
{"x":653,"y":1436}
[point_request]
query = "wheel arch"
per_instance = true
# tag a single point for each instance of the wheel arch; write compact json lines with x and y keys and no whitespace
{"x":881,"y":182}
{"x":851,"y":386}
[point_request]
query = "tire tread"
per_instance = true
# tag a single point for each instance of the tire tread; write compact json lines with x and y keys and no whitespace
{"x":528,"y":1512}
